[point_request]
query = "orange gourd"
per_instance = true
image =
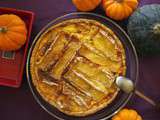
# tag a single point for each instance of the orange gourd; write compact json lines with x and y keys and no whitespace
{"x":86,"y":5}
{"x":13,"y":32}
{"x":127,"y":114}
{"x":119,"y":9}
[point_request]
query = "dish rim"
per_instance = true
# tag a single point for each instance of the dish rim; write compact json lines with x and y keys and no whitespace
{"x":59,"y":18}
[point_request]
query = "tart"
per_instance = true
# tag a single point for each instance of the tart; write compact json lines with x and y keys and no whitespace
{"x":74,"y":65}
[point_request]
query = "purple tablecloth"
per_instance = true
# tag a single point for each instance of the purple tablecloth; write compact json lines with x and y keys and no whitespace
{"x":19,"y":104}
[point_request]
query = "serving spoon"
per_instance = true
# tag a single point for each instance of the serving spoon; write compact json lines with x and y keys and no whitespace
{"x":127,"y":86}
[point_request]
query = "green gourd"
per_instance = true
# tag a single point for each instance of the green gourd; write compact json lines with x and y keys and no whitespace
{"x":144,"y":29}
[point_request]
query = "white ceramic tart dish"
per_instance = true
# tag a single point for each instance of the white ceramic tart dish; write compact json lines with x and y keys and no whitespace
{"x":74,"y":65}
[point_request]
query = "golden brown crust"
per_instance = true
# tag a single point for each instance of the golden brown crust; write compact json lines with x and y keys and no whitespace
{"x":81,"y":42}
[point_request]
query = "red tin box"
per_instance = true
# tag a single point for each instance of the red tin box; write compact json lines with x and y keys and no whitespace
{"x":12,"y":63}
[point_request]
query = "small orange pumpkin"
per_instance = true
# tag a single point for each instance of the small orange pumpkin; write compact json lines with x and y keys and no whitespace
{"x":119,"y":9}
{"x":13,"y":32}
{"x":86,"y":5}
{"x":127,"y":114}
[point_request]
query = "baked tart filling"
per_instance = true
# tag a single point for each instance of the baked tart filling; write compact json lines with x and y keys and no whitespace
{"x":74,"y":65}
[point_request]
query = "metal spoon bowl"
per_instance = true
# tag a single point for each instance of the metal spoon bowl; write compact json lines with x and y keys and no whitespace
{"x":127,"y":86}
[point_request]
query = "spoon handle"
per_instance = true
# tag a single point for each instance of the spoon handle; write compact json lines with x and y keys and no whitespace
{"x":127,"y":86}
{"x":147,"y":99}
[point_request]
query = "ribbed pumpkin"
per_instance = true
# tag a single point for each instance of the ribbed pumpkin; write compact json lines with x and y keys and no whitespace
{"x":127,"y":114}
{"x":144,"y":29}
{"x":119,"y":9}
{"x":86,"y":5}
{"x":13,"y":32}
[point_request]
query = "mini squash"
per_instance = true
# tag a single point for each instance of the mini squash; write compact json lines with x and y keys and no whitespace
{"x":86,"y":5}
{"x":13,"y":32}
{"x":119,"y":9}
{"x":127,"y":114}
{"x":144,"y":29}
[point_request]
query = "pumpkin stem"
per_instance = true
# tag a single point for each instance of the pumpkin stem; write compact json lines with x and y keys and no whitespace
{"x":119,"y":1}
{"x":156,"y":29}
{"x":3,"y":29}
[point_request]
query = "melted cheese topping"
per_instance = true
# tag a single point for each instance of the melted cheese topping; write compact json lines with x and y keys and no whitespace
{"x":74,"y":65}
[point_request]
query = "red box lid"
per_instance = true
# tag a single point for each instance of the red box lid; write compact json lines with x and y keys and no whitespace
{"x":12,"y":63}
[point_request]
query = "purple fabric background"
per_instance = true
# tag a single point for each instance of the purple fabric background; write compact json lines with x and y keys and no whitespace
{"x":19,"y":104}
